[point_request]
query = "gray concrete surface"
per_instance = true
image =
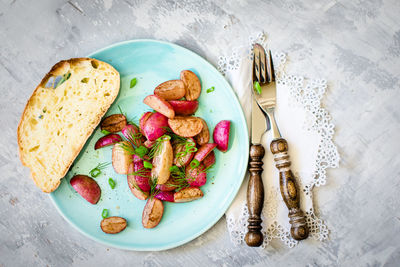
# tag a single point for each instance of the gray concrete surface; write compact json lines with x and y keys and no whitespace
{"x":354,"y":44}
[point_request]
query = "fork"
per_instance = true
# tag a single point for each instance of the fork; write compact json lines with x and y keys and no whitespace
{"x":263,"y":73}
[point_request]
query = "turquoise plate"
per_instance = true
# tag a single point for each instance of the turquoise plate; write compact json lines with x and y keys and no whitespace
{"x":151,"y":63}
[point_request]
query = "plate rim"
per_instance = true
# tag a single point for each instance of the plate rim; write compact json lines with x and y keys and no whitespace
{"x":230,"y":199}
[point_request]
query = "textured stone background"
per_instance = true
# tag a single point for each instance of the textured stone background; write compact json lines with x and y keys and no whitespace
{"x":354,"y":44}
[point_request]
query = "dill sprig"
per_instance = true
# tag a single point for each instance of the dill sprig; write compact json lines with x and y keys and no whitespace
{"x":142,"y":172}
{"x":96,"y":171}
{"x":134,"y":138}
{"x":174,"y":136}
{"x":129,"y":148}
{"x":153,"y":186}
{"x":179,"y":176}
{"x":157,"y":146}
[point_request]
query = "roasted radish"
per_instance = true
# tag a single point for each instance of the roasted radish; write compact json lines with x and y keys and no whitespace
{"x":204,"y":136}
{"x":221,"y":135}
{"x":186,"y":126}
{"x":160,"y":105}
{"x":152,"y":213}
{"x":113,"y":225}
{"x":203,"y":151}
{"x":86,"y":187}
{"x":162,"y":162}
{"x":170,"y":90}
{"x":192,"y":84}
{"x":122,"y":157}
{"x":113,"y":123}
{"x":184,"y":107}
{"x":165,"y":196}
{"x":155,"y":126}
{"x":196,"y":176}
{"x":107,"y":140}
{"x":188,"y":194}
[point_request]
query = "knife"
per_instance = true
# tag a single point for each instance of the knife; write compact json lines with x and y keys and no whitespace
{"x":255,"y":188}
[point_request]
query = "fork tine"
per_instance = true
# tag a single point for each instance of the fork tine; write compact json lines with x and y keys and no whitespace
{"x":256,"y":63}
{"x":263,"y":66}
{"x":270,"y":67}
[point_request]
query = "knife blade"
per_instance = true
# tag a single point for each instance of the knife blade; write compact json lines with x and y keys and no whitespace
{"x":259,"y":123}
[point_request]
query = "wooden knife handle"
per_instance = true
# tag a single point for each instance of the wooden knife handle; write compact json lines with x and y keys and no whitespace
{"x":289,"y":189}
{"x":255,"y":197}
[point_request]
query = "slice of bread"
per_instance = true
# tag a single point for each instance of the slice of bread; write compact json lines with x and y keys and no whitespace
{"x":61,"y":114}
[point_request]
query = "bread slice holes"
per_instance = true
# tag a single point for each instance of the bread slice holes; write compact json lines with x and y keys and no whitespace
{"x":107,"y":94}
{"x":95,"y":64}
{"x":34,"y":148}
{"x":85,"y":80}
{"x":60,"y":108}
{"x":105,"y":80}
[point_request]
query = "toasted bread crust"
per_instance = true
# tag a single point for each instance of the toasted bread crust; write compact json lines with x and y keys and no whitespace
{"x":55,"y":70}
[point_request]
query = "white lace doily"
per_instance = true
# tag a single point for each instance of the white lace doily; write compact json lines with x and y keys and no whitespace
{"x":309,"y":131}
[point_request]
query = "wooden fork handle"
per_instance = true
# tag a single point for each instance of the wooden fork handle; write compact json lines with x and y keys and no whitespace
{"x":289,"y":189}
{"x":255,"y":197}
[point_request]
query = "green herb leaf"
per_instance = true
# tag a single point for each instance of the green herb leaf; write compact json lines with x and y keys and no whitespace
{"x":104,"y":213}
{"x":211,"y":89}
{"x":174,"y":168}
{"x":147,"y":165}
{"x":133,"y":82}
{"x":257,"y":87}
{"x":96,"y":171}
{"x":105,"y":132}
{"x":194,"y":164}
{"x":141,"y":151}
{"x":111,"y":182}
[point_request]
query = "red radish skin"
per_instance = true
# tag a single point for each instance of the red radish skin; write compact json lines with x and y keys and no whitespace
{"x":209,"y":160}
{"x":130,"y":131}
{"x":86,"y":187}
{"x":156,"y":126}
{"x":203,"y":151}
{"x":160,"y":105}
{"x":142,"y":182}
{"x":165,"y":196}
{"x":143,"y":120}
{"x":196,"y":176}
{"x":107,"y":140}
{"x":132,"y":183}
{"x":221,"y":135}
{"x":184,"y":107}
{"x":168,"y":185}
{"x":152,"y":213}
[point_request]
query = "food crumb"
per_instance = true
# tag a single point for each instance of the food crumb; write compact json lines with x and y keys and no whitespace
{"x":117,"y":207}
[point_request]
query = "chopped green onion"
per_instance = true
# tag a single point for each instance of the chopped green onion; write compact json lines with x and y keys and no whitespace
{"x":194,"y":164}
{"x":164,"y":138}
{"x":95,"y":172}
{"x":111,"y":182}
{"x":174,"y":169}
{"x":141,"y":151}
{"x":257,"y":87}
{"x":147,"y":165}
{"x":105,"y":132}
{"x":133,"y":82}
{"x":104,"y":213}
{"x":211,"y":89}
